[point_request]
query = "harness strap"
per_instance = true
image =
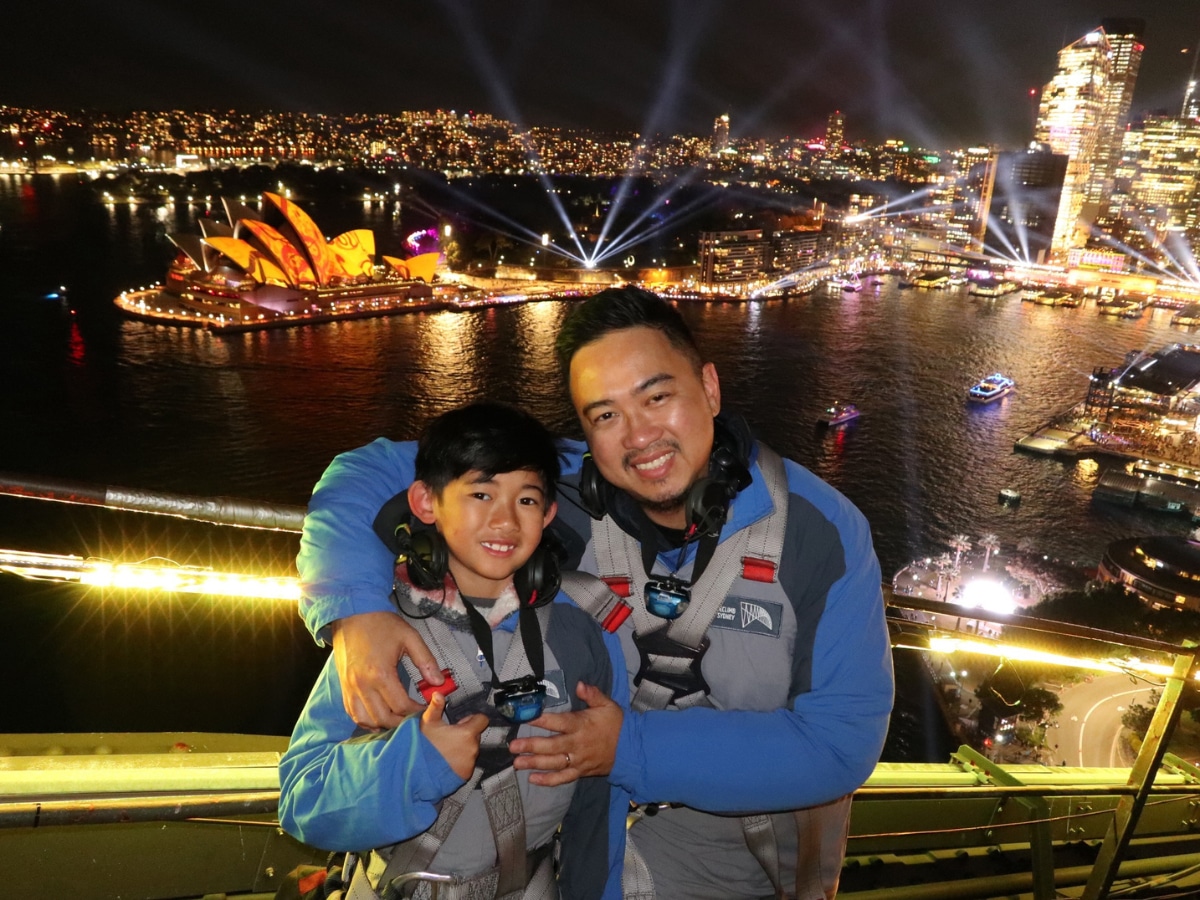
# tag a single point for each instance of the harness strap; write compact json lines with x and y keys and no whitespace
{"x":820,"y":841}
{"x":636,"y":882}
{"x":506,"y":813}
{"x":596,"y":599}
{"x":759,"y":832}
{"x":386,"y":863}
{"x":421,"y":885}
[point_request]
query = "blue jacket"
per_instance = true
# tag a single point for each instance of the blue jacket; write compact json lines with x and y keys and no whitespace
{"x":822,"y":744}
{"x":346,"y":789}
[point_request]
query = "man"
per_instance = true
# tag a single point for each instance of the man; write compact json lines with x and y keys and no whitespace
{"x":755,"y":635}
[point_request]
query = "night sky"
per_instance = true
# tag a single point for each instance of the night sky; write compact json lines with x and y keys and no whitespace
{"x":933,"y":72}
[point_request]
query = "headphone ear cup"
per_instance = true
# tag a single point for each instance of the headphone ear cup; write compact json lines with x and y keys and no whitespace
{"x":537,"y":582}
{"x":707,"y":505}
{"x":592,"y":488}
{"x":427,"y":557}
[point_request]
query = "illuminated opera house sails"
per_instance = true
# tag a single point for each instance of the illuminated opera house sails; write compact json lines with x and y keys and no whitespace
{"x":253,"y":269}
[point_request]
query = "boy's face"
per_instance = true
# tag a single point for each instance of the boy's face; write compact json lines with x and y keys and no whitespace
{"x":491,"y":525}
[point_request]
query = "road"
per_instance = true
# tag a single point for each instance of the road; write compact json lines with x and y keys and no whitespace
{"x":1090,"y":722}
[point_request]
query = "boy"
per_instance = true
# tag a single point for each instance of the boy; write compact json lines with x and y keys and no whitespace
{"x":474,"y":577}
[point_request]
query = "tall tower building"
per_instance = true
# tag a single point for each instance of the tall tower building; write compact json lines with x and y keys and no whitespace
{"x":720,"y":138}
{"x":835,"y":133}
{"x":1071,"y":114}
{"x":1166,"y":184}
{"x":1125,"y":58}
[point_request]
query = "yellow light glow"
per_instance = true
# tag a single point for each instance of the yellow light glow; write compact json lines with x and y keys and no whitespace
{"x":147,"y":576}
{"x":1026,"y":654}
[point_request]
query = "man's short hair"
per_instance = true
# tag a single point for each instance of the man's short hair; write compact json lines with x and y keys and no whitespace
{"x":617,"y":309}
{"x":492,"y":438}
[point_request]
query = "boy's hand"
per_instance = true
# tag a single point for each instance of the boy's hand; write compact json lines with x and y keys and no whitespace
{"x":586,"y":742}
{"x":366,"y":650}
{"x":458,"y":743}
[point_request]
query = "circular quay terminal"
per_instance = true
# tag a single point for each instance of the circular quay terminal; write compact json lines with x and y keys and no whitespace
{"x":850,"y":351}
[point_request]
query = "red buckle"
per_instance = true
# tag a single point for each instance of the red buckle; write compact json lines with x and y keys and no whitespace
{"x":616,"y":617}
{"x":619,"y":585}
{"x":758,"y":569}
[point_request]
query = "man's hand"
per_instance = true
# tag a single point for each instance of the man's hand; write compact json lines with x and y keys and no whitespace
{"x":586,"y":743}
{"x":458,"y":743}
{"x":366,"y":650}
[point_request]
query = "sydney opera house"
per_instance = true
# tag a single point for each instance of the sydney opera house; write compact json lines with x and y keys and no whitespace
{"x":276,"y":268}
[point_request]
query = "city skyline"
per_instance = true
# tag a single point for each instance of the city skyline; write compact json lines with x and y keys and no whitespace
{"x":927,"y":71}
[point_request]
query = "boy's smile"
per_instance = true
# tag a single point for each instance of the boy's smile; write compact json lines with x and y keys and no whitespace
{"x":491,"y":525}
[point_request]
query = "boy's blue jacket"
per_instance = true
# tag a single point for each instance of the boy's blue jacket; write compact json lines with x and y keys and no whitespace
{"x":820,"y":746}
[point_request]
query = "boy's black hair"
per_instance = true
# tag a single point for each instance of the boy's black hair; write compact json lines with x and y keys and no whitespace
{"x":492,"y":438}
{"x":617,"y":309}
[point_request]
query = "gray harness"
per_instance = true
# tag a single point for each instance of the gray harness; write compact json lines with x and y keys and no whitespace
{"x":399,"y":870}
{"x":682,"y":642}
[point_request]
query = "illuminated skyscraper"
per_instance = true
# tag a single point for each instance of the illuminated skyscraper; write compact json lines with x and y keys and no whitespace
{"x":835,"y":133}
{"x":720,"y":138}
{"x":1125,"y":58}
{"x":971,"y":198}
{"x":1167,"y":173}
{"x":1083,"y":114}
{"x":1070,"y":116}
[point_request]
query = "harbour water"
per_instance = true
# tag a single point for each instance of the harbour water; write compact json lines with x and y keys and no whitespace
{"x":90,"y":396}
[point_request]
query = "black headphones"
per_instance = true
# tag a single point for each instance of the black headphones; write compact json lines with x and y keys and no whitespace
{"x":707,"y":502}
{"x":423,"y":550}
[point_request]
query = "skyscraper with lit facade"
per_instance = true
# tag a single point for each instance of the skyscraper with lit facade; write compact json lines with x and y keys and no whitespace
{"x":1125,"y":58}
{"x":720,"y":137}
{"x":835,"y":133}
{"x":1070,"y":116}
{"x":1166,"y":175}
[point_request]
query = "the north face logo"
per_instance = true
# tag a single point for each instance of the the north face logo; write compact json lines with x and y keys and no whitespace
{"x":750,"y":616}
{"x":752,"y":612}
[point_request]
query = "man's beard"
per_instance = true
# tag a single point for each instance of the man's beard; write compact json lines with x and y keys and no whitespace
{"x":666,"y":505}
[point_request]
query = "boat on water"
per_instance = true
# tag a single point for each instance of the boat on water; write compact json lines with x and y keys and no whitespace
{"x":1010,"y":496}
{"x":850,"y":284}
{"x":1189,"y":316}
{"x":1057,"y":297}
{"x":932,"y":280}
{"x":839,"y":414}
{"x":993,"y":288}
{"x":991,"y":388}
{"x":1124,"y":308}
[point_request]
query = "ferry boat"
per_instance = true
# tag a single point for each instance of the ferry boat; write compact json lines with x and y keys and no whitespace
{"x":1126,"y":309}
{"x":1189,"y":316}
{"x":994,"y":288}
{"x":991,"y":388}
{"x":1056,"y":298}
{"x":838,"y":414}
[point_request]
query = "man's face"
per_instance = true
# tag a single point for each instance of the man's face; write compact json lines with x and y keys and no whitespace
{"x":491,"y":525}
{"x":647,"y":416}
